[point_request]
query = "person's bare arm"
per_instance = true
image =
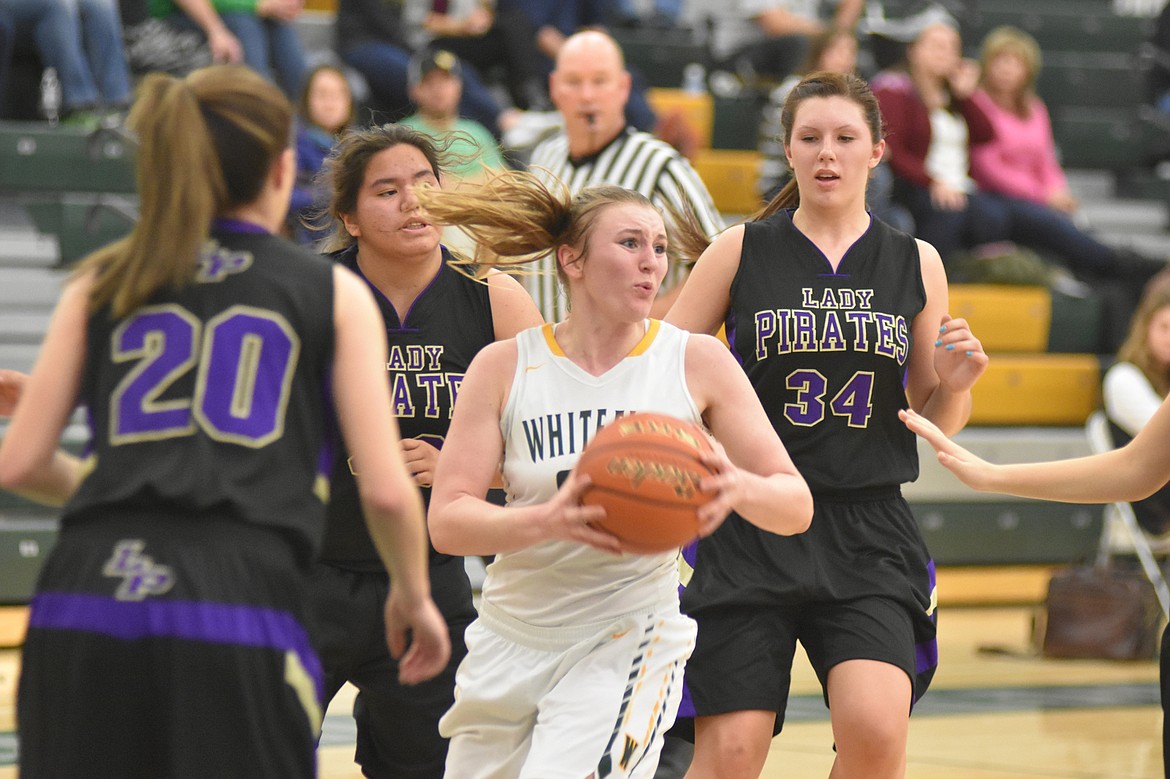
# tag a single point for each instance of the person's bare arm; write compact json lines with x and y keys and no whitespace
{"x":390,"y":502}
{"x":701,"y":305}
{"x":224,"y":46}
{"x":755,"y":476}
{"x":513,"y":309}
{"x":1132,"y":472}
{"x":31,"y":465}
{"x":776,"y":22}
{"x":946,"y":357}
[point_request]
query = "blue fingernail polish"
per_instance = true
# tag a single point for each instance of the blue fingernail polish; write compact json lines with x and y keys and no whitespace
{"x":943,"y":329}
{"x":950,"y":347}
{"x":938,"y":342}
{"x":968,"y":354}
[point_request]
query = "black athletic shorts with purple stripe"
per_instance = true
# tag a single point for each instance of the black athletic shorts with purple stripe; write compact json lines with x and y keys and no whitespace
{"x":169,"y":647}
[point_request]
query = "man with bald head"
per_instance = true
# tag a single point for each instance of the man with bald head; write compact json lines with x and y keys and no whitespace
{"x":589,"y":87}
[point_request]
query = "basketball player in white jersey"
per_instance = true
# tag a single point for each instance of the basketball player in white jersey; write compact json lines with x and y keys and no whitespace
{"x":574,"y":666}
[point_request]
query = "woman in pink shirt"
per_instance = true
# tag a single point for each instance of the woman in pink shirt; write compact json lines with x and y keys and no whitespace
{"x":1021,"y":161}
{"x":1019,"y":166}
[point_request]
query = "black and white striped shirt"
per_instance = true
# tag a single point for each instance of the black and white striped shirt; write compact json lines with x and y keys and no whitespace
{"x":635,"y":160}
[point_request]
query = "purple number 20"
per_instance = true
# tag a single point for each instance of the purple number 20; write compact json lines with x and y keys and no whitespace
{"x":244,"y":360}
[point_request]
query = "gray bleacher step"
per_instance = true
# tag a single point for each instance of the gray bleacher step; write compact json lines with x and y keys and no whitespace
{"x":1126,"y":215}
{"x":1091,"y":185}
{"x":23,"y":327}
{"x":27,"y":249}
{"x":30,"y":288}
{"x":21,"y":244}
{"x":1157,"y":246}
{"x":18,"y":357}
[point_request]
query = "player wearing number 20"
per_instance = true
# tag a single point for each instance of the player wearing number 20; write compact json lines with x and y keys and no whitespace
{"x":839,"y":321}
{"x":167,"y":636}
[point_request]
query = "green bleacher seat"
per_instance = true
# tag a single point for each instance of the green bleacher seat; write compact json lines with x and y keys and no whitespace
{"x":1008,"y":532}
{"x":1098,"y":137}
{"x":1089,"y":25}
{"x":35,"y":157}
{"x":661,"y":55}
{"x":82,"y":221}
{"x":737,"y":122}
{"x":1090,"y":78}
{"x":25,"y":542}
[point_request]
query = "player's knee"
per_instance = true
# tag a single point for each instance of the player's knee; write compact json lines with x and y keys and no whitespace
{"x":874,"y":749}
{"x":732,"y":752}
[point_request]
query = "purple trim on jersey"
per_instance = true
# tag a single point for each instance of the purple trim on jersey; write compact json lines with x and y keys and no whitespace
{"x":442,"y":261}
{"x":216,"y":623}
{"x":238,"y":226}
{"x":686,"y":706}
{"x":402,"y":319}
{"x":926,"y":653}
{"x":729,"y":333}
{"x":88,"y":447}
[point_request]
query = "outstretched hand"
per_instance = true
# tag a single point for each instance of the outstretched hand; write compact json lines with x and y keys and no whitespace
{"x":959,"y":358}
{"x":970,"y":469}
{"x":12,"y":385}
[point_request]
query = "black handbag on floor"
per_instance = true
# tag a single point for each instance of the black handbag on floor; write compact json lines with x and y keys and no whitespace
{"x":1099,"y":612}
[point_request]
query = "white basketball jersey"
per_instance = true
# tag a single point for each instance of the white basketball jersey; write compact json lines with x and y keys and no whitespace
{"x":553,"y":410}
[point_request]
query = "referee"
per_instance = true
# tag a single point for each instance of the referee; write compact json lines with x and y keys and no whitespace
{"x":590,"y":86}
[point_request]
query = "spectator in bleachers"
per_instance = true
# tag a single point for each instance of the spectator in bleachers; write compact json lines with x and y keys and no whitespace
{"x":158,"y":45}
{"x":555,"y":20}
{"x":932,"y":124}
{"x":486,"y":38}
{"x":763,"y":41}
{"x":325,"y":111}
{"x":835,"y":51}
{"x":1019,"y":169}
{"x":374,"y":39}
{"x":1138,"y":383}
{"x":664,"y":14}
{"x":436,"y":83}
{"x":590,"y":87}
{"x":82,"y":40}
{"x":265,"y":29}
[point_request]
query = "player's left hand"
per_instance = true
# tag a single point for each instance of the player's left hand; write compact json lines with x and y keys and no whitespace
{"x":420,"y":458}
{"x":12,"y":385}
{"x":959,"y":358}
{"x":726,"y":482}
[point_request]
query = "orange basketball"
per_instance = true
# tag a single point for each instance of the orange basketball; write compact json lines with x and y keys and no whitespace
{"x":645,"y":472}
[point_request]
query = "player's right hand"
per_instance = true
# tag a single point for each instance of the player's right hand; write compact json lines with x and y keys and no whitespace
{"x":568,"y":520}
{"x":417,"y":636}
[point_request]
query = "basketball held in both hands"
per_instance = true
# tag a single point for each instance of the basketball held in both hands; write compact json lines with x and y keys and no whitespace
{"x":645,"y":470}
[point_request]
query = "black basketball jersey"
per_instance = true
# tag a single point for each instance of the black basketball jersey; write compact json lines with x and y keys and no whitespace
{"x":214,"y":398}
{"x":430,"y":349}
{"x":826,"y":351}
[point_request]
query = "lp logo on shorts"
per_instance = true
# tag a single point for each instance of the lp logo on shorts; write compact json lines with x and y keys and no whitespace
{"x":140,"y":575}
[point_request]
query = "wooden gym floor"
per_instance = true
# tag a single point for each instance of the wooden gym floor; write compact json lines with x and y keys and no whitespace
{"x":995,"y":711}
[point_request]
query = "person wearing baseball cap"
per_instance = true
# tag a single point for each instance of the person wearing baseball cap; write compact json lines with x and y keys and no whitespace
{"x":436,"y":87}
